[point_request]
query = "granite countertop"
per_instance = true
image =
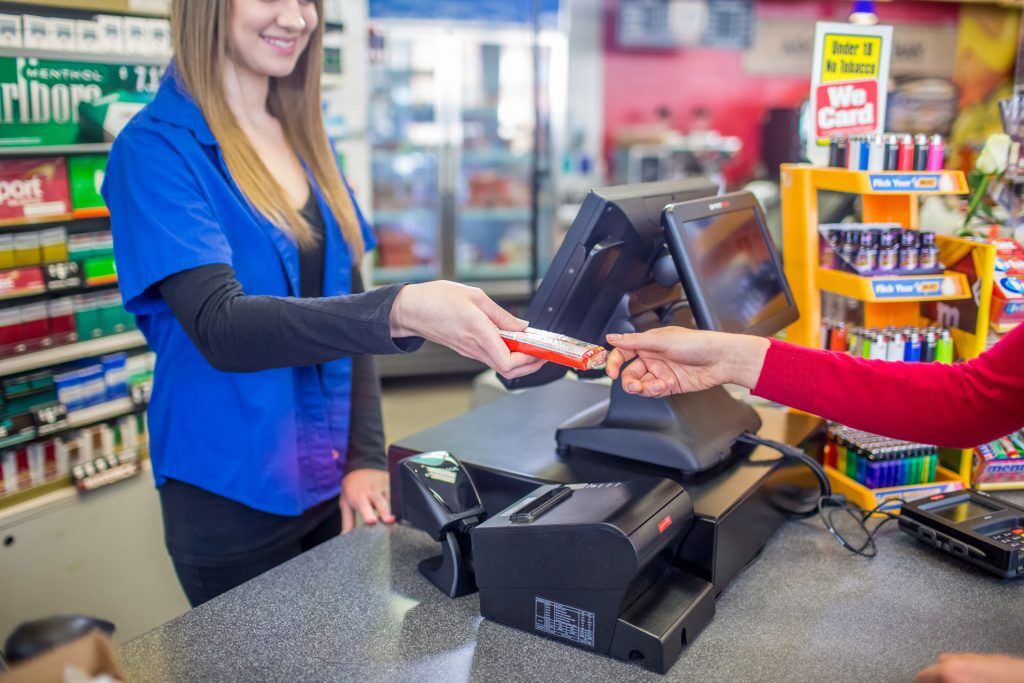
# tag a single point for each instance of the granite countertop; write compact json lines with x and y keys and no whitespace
{"x":356,"y":608}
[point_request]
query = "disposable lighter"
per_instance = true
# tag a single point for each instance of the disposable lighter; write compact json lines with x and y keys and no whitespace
{"x":557,"y":348}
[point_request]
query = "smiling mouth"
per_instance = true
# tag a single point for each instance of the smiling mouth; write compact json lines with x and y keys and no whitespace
{"x":281,"y":44}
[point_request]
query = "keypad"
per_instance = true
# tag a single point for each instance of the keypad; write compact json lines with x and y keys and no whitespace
{"x":1013,"y":538}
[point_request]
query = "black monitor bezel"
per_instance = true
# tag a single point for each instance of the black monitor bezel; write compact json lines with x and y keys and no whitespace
{"x":674,"y":215}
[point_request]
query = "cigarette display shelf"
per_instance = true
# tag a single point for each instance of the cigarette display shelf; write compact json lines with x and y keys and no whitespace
{"x":10,"y":290}
{"x":55,"y":150}
{"x":89,"y":57}
{"x":70,"y":352}
{"x":61,"y":485}
{"x":959,"y":299}
{"x":149,"y":8}
{"x":75,"y":419}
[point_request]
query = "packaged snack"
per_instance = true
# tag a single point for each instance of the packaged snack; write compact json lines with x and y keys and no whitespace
{"x":556,"y":348}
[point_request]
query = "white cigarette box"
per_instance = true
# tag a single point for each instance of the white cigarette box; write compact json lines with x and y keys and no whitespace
{"x":35,"y":32}
{"x":10,"y":30}
{"x":62,"y":35}
{"x":111,"y":33}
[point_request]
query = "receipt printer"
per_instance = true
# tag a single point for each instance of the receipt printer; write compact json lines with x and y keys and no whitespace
{"x":592,"y":565}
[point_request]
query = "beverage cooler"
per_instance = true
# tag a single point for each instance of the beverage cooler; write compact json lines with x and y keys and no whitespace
{"x":455,"y":122}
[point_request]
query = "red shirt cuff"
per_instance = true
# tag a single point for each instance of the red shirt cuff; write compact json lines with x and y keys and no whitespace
{"x":790,"y":375}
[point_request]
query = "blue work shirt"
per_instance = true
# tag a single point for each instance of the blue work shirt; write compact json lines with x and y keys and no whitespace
{"x":264,"y":439}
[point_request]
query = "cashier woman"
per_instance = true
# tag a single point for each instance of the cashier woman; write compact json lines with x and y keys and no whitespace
{"x":238,"y":246}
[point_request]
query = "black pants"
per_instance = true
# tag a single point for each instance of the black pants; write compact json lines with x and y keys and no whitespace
{"x":217,"y":544}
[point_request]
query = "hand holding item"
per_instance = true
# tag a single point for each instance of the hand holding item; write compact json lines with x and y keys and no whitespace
{"x":465,"y":320}
{"x":973,"y":668}
{"x":365,"y":492}
{"x":675,"y":360}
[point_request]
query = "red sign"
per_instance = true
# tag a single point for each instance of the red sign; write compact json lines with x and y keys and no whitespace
{"x":846,"y":108}
{"x":33,"y":189}
{"x":664,"y":524}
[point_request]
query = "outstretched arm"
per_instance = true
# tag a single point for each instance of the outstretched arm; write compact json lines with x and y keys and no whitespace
{"x":957,"y":406}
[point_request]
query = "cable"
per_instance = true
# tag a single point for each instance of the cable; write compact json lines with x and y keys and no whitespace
{"x":794,"y":453}
{"x":839,"y":505}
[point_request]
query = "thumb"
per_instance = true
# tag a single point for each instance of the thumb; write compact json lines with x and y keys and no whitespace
{"x":501,"y":318}
{"x":642,"y":341}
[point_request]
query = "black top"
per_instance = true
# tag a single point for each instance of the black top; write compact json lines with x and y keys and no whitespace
{"x":224,"y":324}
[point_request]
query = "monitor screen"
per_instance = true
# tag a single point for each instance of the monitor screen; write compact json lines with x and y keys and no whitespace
{"x":602,"y":276}
{"x":732,"y":272}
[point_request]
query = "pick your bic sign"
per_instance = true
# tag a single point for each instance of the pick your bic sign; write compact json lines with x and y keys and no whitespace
{"x":848,"y":84}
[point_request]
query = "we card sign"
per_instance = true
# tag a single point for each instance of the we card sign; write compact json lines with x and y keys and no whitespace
{"x":848,"y":85}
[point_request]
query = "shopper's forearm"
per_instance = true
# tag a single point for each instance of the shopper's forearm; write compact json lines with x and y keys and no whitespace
{"x":743,"y":358}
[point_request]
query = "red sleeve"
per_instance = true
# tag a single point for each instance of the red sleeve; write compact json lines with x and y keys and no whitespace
{"x":958,"y":406}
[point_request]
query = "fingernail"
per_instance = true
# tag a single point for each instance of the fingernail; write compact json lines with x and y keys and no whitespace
{"x":632,"y":386}
{"x":614,"y":336}
{"x":657,"y":387}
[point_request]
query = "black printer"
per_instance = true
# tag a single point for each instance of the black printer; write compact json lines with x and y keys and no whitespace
{"x":591,"y":565}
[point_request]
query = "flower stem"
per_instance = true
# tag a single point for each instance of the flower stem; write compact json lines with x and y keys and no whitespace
{"x":979,"y":194}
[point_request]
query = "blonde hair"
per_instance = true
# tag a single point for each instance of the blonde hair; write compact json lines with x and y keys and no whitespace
{"x":200,"y":32}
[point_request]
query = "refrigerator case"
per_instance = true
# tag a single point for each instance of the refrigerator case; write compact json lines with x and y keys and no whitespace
{"x":453,"y":132}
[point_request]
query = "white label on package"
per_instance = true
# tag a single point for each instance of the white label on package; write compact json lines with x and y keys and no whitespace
{"x":571,"y":623}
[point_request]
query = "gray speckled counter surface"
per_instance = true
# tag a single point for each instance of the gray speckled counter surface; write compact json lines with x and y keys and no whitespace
{"x":356,"y":608}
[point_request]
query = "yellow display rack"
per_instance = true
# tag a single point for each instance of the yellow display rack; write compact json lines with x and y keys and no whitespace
{"x":886,"y":197}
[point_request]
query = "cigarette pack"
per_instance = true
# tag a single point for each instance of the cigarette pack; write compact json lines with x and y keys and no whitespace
{"x":36,"y":32}
{"x":10,"y":30}
{"x":557,"y":348}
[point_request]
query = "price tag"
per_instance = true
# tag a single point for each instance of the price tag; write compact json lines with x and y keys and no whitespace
{"x":64,"y":275}
{"x":141,"y":392}
{"x":51,"y":417}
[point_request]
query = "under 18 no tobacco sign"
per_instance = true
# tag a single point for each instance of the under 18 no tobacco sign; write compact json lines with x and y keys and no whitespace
{"x":848,"y":86}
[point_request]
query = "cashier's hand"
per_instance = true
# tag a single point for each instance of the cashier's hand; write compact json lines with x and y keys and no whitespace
{"x":365,"y":493}
{"x":973,"y":668}
{"x":465,"y":320}
{"x":675,"y":360}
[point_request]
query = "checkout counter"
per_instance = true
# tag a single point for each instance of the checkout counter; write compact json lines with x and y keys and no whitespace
{"x":668,"y":546}
{"x":357,"y":608}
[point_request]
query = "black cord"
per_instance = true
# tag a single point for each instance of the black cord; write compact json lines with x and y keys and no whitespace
{"x":794,"y":453}
{"x":838,"y":505}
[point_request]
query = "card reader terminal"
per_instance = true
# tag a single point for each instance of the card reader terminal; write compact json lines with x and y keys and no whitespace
{"x":972,"y":525}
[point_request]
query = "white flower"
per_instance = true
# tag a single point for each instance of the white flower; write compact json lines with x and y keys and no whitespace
{"x":994,"y":155}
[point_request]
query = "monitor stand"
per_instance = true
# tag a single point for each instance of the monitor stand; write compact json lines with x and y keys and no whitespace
{"x":692,"y":433}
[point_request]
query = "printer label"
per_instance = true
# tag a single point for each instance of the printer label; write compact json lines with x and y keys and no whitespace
{"x":572,"y":623}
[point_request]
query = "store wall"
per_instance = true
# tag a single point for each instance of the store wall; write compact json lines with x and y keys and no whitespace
{"x":637,"y":82}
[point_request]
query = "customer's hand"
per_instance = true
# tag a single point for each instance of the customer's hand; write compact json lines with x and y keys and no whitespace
{"x":973,"y":668}
{"x":465,"y":320}
{"x":365,"y":492}
{"x":674,"y":360}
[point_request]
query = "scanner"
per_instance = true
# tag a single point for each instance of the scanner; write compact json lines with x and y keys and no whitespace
{"x":434,"y":493}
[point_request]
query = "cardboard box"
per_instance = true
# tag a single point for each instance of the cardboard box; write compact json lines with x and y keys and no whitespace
{"x":92,"y":654}
{"x":10,"y":30}
{"x":1008,"y":285}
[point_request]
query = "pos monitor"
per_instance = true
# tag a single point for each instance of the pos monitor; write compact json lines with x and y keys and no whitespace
{"x":644,"y":256}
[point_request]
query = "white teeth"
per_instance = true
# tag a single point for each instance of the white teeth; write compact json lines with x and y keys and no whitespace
{"x":278,"y":42}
